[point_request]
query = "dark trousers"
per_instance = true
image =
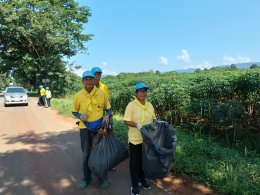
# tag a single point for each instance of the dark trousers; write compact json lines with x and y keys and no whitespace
{"x":136,"y":168}
{"x":48,"y":102}
{"x":42,"y":100}
{"x":86,"y":140}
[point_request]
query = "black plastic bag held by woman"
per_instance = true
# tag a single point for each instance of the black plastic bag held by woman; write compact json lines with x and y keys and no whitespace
{"x":107,"y":151}
{"x":159,"y":147}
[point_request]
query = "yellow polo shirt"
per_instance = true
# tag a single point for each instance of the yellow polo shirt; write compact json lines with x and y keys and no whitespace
{"x":93,"y":104}
{"x":135,"y":113}
{"x":104,"y":88}
{"x":42,"y":92}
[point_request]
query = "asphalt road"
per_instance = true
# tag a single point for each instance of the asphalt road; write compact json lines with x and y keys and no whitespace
{"x":40,"y":155}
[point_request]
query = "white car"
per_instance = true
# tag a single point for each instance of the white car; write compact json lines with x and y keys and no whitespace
{"x":15,"y":95}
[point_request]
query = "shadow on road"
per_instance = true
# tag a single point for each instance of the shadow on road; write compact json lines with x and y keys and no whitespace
{"x":48,"y":166}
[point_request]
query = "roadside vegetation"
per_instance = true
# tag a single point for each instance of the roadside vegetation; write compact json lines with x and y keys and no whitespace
{"x":216,"y":117}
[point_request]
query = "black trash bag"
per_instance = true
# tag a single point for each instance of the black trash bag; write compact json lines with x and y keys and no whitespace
{"x":158,"y":149}
{"x":107,"y":151}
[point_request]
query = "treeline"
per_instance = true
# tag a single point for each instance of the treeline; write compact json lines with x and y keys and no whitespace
{"x":36,"y":39}
{"x":223,"y":102}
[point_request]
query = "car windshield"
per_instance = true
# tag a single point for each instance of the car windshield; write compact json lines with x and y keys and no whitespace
{"x":15,"y":90}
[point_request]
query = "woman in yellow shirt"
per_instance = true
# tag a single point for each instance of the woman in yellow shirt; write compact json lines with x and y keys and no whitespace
{"x":138,"y":112}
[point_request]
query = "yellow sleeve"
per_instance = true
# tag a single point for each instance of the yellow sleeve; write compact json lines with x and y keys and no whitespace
{"x":128,"y":113}
{"x":107,"y":103}
{"x":75,"y":104}
{"x":107,"y":92}
{"x":105,"y":89}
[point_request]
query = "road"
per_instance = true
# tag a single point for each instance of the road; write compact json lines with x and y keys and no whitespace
{"x":40,"y":155}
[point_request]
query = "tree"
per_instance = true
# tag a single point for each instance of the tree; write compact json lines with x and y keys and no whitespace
{"x":198,"y":70}
{"x":36,"y":35}
{"x":233,"y":66}
{"x":253,"y":66}
{"x":4,"y":81}
{"x":157,"y":72}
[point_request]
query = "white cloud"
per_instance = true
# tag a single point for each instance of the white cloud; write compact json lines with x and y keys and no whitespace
{"x":243,"y":59}
{"x":227,"y":60}
{"x":79,"y":72}
{"x":105,"y":70}
{"x":108,"y":72}
{"x":104,"y":63}
{"x":184,"y":57}
{"x":203,"y":65}
{"x":163,"y":60}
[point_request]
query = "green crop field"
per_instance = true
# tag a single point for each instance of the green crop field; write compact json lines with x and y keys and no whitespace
{"x":216,"y":117}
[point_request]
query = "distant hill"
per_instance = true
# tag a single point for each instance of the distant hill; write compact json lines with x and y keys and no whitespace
{"x":246,"y":65}
{"x":188,"y":70}
{"x":238,"y":65}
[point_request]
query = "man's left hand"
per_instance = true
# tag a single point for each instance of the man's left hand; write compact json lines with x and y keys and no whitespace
{"x":106,"y":119}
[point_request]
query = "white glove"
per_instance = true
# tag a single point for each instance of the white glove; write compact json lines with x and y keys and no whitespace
{"x":106,"y":119}
{"x":161,"y":122}
{"x":83,"y":117}
{"x":139,"y":126}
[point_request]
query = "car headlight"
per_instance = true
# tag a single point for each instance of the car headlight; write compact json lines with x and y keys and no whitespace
{"x":7,"y":97}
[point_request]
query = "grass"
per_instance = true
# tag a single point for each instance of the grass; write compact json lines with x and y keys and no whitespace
{"x":228,"y":171}
{"x":63,"y":106}
{"x":224,"y":169}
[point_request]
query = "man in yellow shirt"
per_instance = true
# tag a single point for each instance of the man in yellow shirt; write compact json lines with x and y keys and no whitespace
{"x":89,"y":105}
{"x":98,"y":73}
{"x":138,"y":112}
{"x":42,"y":97}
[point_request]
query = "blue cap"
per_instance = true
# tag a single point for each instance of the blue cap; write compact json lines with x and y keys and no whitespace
{"x":87,"y":74}
{"x":96,"y":69}
{"x":40,"y":86}
{"x":141,"y":86}
{"x":47,"y":87}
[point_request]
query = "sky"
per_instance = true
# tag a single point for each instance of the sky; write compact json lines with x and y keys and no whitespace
{"x":167,"y":35}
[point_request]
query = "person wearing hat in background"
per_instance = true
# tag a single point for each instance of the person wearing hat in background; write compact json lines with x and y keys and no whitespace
{"x":48,"y":97}
{"x":42,"y":96}
{"x":98,"y":73}
{"x":138,"y":112}
{"x":39,"y":95}
{"x":88,"y":106}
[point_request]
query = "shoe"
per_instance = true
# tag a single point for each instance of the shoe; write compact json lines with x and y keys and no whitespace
{"x":83,"y":184}
{"x":134,"y":191}
{"x":144,"y":185}
{"x":104,"y":183}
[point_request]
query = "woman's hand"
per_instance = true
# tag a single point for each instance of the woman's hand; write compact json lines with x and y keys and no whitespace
{"x":139,"y":126}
